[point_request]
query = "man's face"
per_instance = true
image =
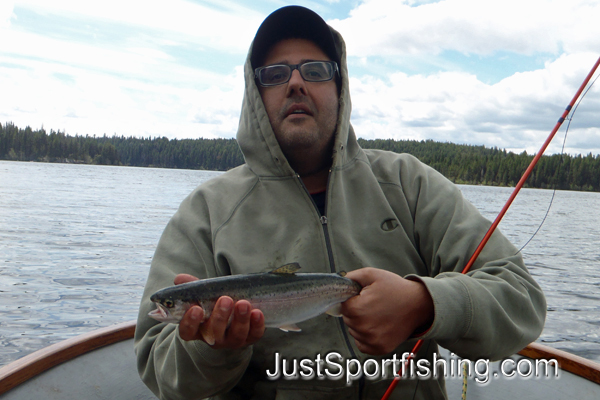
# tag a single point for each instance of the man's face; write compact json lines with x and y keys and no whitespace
{"x":303,"y":114}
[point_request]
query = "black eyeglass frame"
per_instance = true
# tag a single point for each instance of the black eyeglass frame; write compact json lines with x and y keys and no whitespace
{"x":293,"y":67}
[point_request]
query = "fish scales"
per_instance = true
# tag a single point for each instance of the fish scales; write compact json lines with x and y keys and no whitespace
{"x":285,"y":298}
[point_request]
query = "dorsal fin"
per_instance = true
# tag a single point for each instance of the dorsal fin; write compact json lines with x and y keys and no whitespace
{"x":286,"y":269}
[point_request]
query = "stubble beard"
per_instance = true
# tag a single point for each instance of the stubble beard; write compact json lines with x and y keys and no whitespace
{"x":308,"y":151}
{"x":308,"y":146}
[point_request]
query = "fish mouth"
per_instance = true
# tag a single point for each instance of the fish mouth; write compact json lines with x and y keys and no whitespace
{"x":172,"y":315}
{"x":159,"y":313}
{"x":162,"y":314}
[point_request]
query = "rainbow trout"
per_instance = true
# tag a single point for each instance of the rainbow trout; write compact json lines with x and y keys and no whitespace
{"x":284,"y":296}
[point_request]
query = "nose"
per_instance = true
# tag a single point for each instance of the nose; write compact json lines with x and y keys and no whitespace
{"x":296,"y":84}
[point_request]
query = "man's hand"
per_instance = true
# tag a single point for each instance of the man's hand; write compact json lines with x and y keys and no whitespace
{"x":247,"y":325}
{"x":387,"y":311}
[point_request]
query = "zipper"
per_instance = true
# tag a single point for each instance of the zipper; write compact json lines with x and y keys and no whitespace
{"x":324,"y":222}
{"x":327,"y":239}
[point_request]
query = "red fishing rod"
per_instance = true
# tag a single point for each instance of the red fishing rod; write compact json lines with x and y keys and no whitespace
{"x":487,"y":236}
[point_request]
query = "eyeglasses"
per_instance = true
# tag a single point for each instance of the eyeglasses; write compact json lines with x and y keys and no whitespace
{"x":310,"y":71}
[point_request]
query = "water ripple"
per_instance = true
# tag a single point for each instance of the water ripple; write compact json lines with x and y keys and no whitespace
{"x":77,"y":241}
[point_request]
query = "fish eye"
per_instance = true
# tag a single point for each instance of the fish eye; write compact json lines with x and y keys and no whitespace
{"x":168,"y":303}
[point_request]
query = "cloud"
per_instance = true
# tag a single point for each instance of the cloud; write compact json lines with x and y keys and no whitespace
{"x":449,"y":104}
{"x":6,"y":13}
{"x":142,"y":84}
{"x":516,"y":113}
{"x":222,"y":25}
{"x":82,"y":101}
{"x":146,"y":69}
{"x":396,"y":27}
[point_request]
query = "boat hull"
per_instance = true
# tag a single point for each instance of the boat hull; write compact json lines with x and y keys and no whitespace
{"x":102,"y":365}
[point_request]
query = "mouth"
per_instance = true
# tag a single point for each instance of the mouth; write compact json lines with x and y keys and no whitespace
{"x":160,"y":313}
{"x":298,"y":109}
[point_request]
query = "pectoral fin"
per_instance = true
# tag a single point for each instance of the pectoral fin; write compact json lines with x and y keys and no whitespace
{"x":290,"y":327}
{"x":335,"y":310}
{"x":207,"y":334}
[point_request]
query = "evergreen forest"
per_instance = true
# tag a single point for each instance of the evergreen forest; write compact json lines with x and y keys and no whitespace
{"x":467,"y":164}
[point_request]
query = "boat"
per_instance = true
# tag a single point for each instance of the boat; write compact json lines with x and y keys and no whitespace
{"x":101,"y":365}
{"x":97,"y":365}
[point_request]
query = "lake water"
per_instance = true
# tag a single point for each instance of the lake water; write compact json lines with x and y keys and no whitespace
{"x":76,"y":243}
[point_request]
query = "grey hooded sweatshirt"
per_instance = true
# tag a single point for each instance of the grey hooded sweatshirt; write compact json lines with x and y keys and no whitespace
{"x":383,"y":210}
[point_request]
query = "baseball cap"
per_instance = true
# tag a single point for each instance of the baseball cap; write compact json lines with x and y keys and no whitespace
{"x":292,"y":22}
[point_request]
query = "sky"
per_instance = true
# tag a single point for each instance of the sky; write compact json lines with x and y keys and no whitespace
{"x":478,"y":72}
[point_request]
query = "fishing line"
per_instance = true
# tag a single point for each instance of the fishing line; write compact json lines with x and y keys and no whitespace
{"x":494,"y":225}
{"x":562,"y":157}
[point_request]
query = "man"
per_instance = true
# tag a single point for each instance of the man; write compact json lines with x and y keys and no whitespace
{"x":309,"y":194}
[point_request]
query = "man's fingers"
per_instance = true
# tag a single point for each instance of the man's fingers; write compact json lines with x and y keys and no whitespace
{"x":351,"y":308}
{"x":364,"y":276}
{"x":219,"y":319}
{"x":362,"y":347}
{"x":237,"y":332}
{"x":257,"y":326}
{"x":356,"y":335}
{"x":247,"y":325}
{"x":184,"y":278}
{"x":188,"y":327}
{"x":365,"y":337}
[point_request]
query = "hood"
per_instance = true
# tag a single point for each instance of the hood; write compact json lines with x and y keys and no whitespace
{"x":257,"y":139}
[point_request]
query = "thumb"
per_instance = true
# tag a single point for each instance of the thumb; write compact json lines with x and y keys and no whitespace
{"x":364,"y":276}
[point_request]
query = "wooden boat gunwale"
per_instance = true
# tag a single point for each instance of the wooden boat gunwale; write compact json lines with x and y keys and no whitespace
{"x":23,"y":369}
{"x":33,"y":364}
{"x":572,"y":363}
